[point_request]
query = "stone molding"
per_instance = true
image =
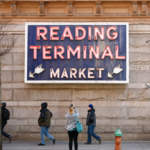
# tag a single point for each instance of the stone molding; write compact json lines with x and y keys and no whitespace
{"x":126,"y":9}
{"x":79,"y":0}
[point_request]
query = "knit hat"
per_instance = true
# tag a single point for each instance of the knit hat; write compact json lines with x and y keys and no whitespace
{"x":91,"y":106}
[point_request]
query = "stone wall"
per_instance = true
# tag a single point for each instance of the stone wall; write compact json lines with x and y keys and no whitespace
{"x":124,"y":106}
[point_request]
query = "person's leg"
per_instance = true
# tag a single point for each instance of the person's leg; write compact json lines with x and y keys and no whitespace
{"x":43,"y":131}
{"x":70,"y":139}
{"x":48,"y":135}
{"x":3,"y":133}
{"x":76,"y":139}
{"x":93,"y":134}
{"x":89,"y":135}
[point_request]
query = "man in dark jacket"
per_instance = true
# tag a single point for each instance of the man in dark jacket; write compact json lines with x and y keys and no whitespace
{"x":91,"y":123}
{"x":45,"y":122}
{"x":4,"y":118}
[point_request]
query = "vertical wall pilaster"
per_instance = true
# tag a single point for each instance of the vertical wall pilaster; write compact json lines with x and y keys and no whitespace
{"x":70,"y":8}
{"x":134,"y":8}
{"x":41,"y":9}
{"x":13,"y":8}
{"x":143,"y":8}
{"x":98,"y":8}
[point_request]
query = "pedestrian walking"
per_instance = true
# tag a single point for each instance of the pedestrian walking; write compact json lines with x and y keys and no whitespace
{"x":71,"y":126}
{"x":91,"y":123}
{"x":45,"y":122}
{"x":5,"y":114}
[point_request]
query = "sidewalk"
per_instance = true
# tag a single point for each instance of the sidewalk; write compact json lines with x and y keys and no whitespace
{"x":64,"y":146}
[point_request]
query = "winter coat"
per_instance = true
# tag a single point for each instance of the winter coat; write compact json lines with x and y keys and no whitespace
{"x":45,"y":116}
{"x":91,"y":118}
{"x":4,"y":121}
{"x":71,"y":120}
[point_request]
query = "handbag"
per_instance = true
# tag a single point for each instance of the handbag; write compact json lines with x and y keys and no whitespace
{"x":78,"y":125}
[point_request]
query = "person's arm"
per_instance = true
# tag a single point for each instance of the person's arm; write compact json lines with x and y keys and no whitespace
{"x":2,"y":112}
{"x":42,"y":116}
{"x":76,"y":111}
{"x":51,"y":114}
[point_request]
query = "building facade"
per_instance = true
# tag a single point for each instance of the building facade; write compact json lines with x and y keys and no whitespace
{"x":124,"y":106}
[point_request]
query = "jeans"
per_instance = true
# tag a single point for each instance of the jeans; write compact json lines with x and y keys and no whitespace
{"x":73,"y":135}
{"x":3,"y":133}
{"x":44,"y":131}
{"x":90,"y":133}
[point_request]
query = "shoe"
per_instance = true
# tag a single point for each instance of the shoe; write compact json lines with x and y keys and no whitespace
{"x":41,"y":144}
{"x":54,"y":142}
{"x":100,"y":141}
{"x":10,"y":138}
{"x":87,"y":143}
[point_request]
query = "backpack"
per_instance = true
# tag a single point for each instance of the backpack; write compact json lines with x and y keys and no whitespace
{"x":6,"y":114}
{"x":78,"y":125}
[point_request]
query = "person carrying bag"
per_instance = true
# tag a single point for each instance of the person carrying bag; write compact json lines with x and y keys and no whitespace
{"x":73,"y":126}
{"x":44,"y":122}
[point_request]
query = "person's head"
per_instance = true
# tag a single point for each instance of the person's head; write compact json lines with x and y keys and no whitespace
{"x":90,"y":107}
{"x":3,"y":104}
{"x":43,"y":105}
{"x":71,"y":109}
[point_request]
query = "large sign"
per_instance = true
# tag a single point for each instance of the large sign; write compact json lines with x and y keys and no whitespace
{"x":76,"y":53}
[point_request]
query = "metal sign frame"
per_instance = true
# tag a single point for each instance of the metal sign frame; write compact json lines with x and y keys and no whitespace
{"x":79,"y":81}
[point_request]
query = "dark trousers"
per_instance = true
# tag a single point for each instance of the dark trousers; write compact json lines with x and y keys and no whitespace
{"x":73,"y":135}
{"x":3,"y":133}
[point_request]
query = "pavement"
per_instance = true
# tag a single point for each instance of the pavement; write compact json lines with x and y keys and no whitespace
{"x":19,"y":145}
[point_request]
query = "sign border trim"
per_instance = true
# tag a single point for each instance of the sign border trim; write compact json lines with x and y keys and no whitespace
{"x":78,"y":81}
